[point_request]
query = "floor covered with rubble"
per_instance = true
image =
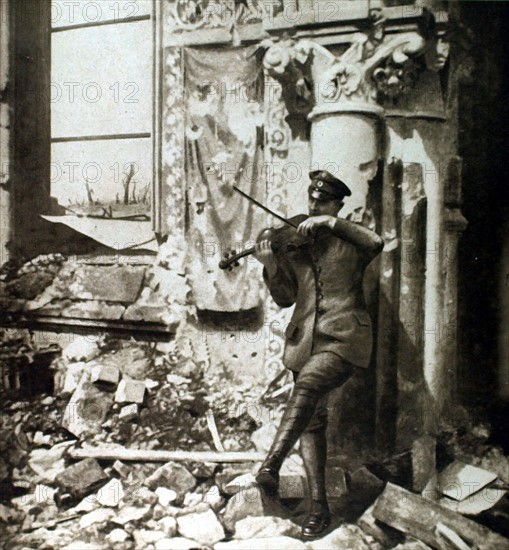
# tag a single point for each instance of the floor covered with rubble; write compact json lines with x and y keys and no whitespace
{"x":64,"y":402}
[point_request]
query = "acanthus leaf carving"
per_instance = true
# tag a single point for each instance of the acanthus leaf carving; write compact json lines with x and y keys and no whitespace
{"x":375,"y":68}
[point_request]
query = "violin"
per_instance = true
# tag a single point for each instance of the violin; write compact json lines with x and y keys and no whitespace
{"x":282,"y":239}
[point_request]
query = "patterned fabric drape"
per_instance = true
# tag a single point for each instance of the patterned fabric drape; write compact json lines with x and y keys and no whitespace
{"x":224,"y":137}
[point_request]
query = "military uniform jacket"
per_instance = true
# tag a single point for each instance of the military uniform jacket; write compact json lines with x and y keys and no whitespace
{"x":324,"y":281}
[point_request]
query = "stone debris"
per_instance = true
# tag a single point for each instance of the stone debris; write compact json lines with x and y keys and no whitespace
{"x":202,"y":527}
{"x":346,"y":536}
{"x":81,"y":349}
{"x":172,"y":475}
{"x":265,"y":526}
{"x":73,"y":375}
{"x":105,"y":376}
{"x":87,"y":408}
{"x":177,"y":543}
{"x":146,"y":398}
{"x":459,"y":480}
{"x":145,"y":537}
{"x":165,"y":495}
{"x":111,"y":494}
{"x":130,"y":391}
{"x":129,"y":412}
{"x":116,"y":536}
{"x":80,"y":479}
{"x":130,"y":514}
{"x":168,"y":526}
{"x":269,"y":543}
{"x":101,"y":515}
{"x":251,"y":501}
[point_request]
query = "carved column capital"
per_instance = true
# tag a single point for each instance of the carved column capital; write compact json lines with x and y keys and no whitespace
{"x":376,"y":69}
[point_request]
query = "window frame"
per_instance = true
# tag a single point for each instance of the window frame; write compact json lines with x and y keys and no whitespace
{"x":156,"y":126}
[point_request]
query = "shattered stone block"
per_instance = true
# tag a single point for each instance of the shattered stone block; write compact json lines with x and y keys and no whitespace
{"x":177,"y":543}
{"x":145,"y":537}
{"x":129,"y":412}
{"x":165,"y":496}
{"x":117,"y":536}
{"x":214,"y":498}
{"x":81,"y":349}
{"x":239,"y":483}
{"x":105,"y":376}
{"x":121,"y":468}
{"x":228,"y":474}
{"x":204,"y":528}
{"x":81,"y":479}
{"x":346,"y":536}
{"x":130,"y":391}
{"x":269,"y":543}
{"x":385,"y":535}
{"x":173,"y":476}
{"x":131,"y":513}
{"x":459,"y":480}
{"x":168,"y":526}
{"x":101,"y":515}
{"x":265,"y":526}
{"x":204,"y":470}
{"x":251,"y":501}
{"x":74,"y":372}
{"x":111,"y":494}
{"x":87,"y":408}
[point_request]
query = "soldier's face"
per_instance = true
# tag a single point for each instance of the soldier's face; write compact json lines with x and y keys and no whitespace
{"x":324,"y":208}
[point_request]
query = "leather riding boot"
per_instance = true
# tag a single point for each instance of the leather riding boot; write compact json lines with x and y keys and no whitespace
{"x":313,"y":448}
{"x":298,"y":413}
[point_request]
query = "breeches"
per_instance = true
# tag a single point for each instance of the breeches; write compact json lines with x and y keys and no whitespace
{"x":322,"y":373}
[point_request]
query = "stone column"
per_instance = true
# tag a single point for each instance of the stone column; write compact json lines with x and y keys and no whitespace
{"x":342,"y":98}
{"x":381,"y":99}
{"x":455,"y":224}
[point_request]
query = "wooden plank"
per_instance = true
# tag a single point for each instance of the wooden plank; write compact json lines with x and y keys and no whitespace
{"x":419,"y":518}
{"x":143,"y":455}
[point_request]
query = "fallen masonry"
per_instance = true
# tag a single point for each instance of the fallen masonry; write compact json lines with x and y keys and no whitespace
{"x":129,"y":457}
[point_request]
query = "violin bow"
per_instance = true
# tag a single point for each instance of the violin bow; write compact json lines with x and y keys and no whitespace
{"x":268,"y":210}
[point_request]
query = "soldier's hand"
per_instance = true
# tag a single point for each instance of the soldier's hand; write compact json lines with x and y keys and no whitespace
{"x":309,"y":226}
{"x":265,"y":255}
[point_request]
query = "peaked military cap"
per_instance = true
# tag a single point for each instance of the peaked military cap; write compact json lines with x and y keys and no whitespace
{"x":326,"y":187}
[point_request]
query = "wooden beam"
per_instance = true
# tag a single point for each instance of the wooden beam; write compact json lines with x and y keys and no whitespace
{"x":143,"y":455}
{"x":101,"y":137}
{"x":418,"y":517}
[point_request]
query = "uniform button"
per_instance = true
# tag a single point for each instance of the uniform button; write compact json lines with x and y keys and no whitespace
{"x":320,"y":283}
{"x":320,"y":296}
{"x":321,"y":310}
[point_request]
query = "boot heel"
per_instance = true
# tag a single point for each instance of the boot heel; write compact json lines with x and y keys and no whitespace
{"x":268,"y":479}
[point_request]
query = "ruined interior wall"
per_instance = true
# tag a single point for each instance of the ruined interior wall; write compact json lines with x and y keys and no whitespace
{"x":483,"y":122}
{"x":5,"y":130}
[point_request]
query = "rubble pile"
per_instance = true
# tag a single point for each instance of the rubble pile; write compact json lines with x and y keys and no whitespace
{"x":111,"y":395}
{"x":25,"y":279}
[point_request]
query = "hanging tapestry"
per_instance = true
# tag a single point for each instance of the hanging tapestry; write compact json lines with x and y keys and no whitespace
{"x":224,"y":138}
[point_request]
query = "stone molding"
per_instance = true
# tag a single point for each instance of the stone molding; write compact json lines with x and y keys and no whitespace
{"x":376,"y":69}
